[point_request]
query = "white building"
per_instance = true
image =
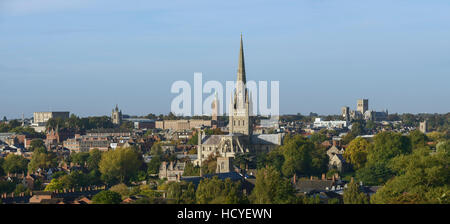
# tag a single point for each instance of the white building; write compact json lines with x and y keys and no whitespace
{"x":318,"y":123}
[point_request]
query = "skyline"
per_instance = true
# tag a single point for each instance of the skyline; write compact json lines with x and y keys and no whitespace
{"x":81,"y":57}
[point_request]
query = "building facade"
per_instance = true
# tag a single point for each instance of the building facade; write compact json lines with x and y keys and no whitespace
{"x":43,"y":117}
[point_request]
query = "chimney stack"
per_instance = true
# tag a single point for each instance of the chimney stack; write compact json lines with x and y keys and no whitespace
{"x":323,"y":176}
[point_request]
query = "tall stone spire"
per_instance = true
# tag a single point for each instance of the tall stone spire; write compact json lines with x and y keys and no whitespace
{"x":241,"y":64}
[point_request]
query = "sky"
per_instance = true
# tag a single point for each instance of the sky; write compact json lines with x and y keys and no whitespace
{"x":86,"y":56}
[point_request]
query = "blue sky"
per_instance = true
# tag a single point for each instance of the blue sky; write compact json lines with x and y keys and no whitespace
{"x":85,"y":56}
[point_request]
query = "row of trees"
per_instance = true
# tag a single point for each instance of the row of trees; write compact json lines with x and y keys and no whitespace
{"x":80,"y":125}
{"x":410,"y":170}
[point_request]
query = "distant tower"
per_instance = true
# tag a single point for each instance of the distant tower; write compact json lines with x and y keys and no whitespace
{"x":215,"y":111}
{"x":240,"y":121}
{"x":346,"y":113}
{"x":116,"y":116}
{"x":423,"y":127}
{"x":362,"y":105}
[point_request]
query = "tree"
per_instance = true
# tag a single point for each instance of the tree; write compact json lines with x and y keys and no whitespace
{"x":353,"y":195}
{"x":80,"y":158}
{"x":418,"y":139}
{"x":175,"y":192}
{"x":387,"y":145}
{"x":107,"y":197}
{"x":370,"y":125}
{"x":120,"y":164}
{"x":188,"y":196}
{"x":356,"y":152}
{"x":443,"y":146}
{"x":122,"y":189}
{"x":319,"y":160}
{"x":93,"y":161}
{"x":422,"y":177}
{"x":15,"y":164}
{"x":2,"y":171}
{"x":215,"y":191}
{"x":156,"y":149}
{"x":55,"y":184}
{"x":318,"y":137}
{"x":153,"y":165}
{"x":271,"y":188}
{"x":36,"y":144}
{"x":297,"y":156}
{"x":191,"y":170}
{"x":43,"y":160}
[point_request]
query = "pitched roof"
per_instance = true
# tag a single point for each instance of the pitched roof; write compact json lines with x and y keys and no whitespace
{"x":313,"y":185}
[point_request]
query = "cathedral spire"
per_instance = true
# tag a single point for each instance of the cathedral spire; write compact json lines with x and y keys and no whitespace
{"x":241,"y":64}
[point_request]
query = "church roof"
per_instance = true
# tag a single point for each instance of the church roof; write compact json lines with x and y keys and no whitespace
{"x":212,"y":139}
{"x":265,"y":139}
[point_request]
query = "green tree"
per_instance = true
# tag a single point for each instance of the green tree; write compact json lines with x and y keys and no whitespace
{"x":318,"y":137}
{"x":43,"y":160}
{"x":188,"y":196}
{"x":120,"y":165}
{"x":297,"y":156}
{"x":15,"y":164}
{"x":385,"y":146}
{"x":356,"y":152}
{"x":215,"y":191}
{"x":80,"y":158}
{"x":55,"y":184}
{"x":175,"y":192}
{"x":271,"y":188}
{"x":422,"y":177}
{"x":191,"y":170}
{"x":353,"y":195}
{"x":36,"y":143}
{"x":418,"y":139}
{"x":107,"y":197}
{"x":93,"y":161}
{"x":122,"y":189}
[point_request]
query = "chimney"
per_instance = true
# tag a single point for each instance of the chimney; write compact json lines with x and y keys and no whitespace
{"x":311,"y":177}
{"x":295,"y":178}
{"x":323,"y":176}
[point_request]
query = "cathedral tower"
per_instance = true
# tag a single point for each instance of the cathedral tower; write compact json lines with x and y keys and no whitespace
{"x":240,"y":121}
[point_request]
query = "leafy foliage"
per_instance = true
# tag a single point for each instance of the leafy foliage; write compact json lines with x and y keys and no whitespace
{"x":215,"y":191}
{"x":107,"y":197}
{"x":422,"y":177}
{"x":120,"y":165}
{"x":272,"y":188}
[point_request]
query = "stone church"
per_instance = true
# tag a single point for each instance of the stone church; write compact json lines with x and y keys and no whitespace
{"x":240,"y":138}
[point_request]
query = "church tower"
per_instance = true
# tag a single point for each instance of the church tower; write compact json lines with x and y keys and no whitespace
{"x":240,"y":121}
{"x":116,"y":116}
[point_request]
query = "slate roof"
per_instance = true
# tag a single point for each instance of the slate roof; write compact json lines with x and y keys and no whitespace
{"x":212,"y":140}
{"x":264,"y":139}
{"x":313,"y":185}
